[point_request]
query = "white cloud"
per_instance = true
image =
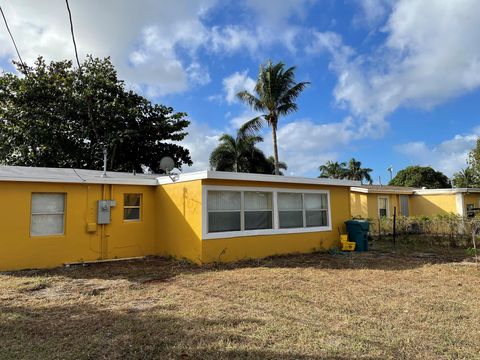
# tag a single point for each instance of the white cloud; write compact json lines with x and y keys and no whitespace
{"x":143,"y":41}
{"x":422,"y":62}
{"x":237,"y":121}
{"x":235,"y":83}
{"x":304,"y":145}
{"x":200,"y":141}
{"x":372,"y":12}
{"x":449,"y":156}
{"x":153,"y":46}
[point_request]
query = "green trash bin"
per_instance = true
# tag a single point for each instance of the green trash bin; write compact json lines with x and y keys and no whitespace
{"x":357,"y":231}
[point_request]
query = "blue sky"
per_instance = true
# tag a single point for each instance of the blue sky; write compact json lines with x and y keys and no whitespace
{"x":389,"y":86}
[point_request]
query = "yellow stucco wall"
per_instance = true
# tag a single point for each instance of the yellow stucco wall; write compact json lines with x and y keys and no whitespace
{"x":19,"y":250}
{"x":179,"y":220}
{"x":366,"y":205}
{"x":359,"y":205}
{"x":471,"y":198}
{"x":430,"y":205}
{"x":245,"y":247}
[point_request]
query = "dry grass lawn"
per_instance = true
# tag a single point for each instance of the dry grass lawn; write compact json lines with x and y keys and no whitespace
{"x":375,"y":305}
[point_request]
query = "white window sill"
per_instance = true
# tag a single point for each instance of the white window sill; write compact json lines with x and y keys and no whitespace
{"x":264,"y":232}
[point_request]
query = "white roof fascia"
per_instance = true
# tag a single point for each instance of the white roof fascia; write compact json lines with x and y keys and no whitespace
{"x":223,"y":175}
{"x":446,"y":191}
{"x":381,"y":191}
{"x":106,"y":180}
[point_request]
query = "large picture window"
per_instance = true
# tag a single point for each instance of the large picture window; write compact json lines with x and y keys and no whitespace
{"x":246,"y":211}
{"x":48,"y":214}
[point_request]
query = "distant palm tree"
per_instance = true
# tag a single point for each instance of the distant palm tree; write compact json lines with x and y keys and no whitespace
{"x":270,"y":166}
{"x":333,"y":170}
{"x":356,"y":172}
{"x":465,"y":178}
{"x":275,"y":95}
{"x":237,"y":154}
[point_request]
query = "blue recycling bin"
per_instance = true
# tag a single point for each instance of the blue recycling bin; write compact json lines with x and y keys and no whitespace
{"x":357,"y":231}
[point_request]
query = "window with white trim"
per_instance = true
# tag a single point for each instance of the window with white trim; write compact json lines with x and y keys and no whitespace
{"x":224,"y":211}
{"x":258,"y":210}
{"x":299,"y":210}
{"x":245,"y":211}
{"x":47,"y":214}
{"x":132,"y":206}
{"x":316,"y":210}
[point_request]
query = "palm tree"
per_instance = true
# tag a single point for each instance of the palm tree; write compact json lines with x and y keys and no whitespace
{"x":333,"y":170}
{"x":464,"y":178}
{"x":269,"y":167}
{"x":275,"y":95}
{"x":237,"y":154}
{"x":356,"y":172}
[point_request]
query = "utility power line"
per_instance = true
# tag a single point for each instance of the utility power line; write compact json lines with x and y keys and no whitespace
{"x":13,"y":40}
{"x":73,"y":34}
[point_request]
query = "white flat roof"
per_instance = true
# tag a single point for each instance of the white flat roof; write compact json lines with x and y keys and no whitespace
{"x":65,"y":175}
{"x":446,"y":191}
{"x":82,"y":176}
{"x":223,"y":175}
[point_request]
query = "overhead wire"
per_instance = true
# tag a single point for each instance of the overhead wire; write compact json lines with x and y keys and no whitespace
{"x":88,"y":99}
{"x":13,"y":39}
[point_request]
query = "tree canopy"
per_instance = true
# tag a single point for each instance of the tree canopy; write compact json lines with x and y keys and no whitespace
{"x":352,"y":170}
{"x":421,"y":176}
{"x":55,"y":115}
{"x":470,"y":176}
{"x":241,"y":154}
{"x":275,"y":93}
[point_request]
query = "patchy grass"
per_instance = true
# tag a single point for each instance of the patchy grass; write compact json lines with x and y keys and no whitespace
{"x":375,"y":305}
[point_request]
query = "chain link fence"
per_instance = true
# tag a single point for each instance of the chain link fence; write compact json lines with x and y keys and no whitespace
{"x":448,"y":229}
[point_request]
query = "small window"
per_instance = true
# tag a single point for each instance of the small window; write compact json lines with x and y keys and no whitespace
{"x":224,"y":211}
{"x":383,"y":207}
{"x":470,"y":210}
{"x":48,"y":214}
{"x":132,"y":204}
{"x":290,"y":210}
{"x":258,"y":210}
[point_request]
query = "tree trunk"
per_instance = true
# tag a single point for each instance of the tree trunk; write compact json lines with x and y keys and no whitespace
{"x":275,"y":149}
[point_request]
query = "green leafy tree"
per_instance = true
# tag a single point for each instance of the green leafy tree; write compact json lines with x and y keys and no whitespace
{"x":420,"y":176}
{"x":333,"y":170}
{"x":57,"y":116}
{"x":465,"y":178}
{"x":354,"y":171}
{"x":275,"y":93}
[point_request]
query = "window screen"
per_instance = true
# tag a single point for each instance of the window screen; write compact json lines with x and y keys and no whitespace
{"x":316,"y":210}
{"x":258,"y":210}
{"x":48,"y":214}
{"x":290,"y":210}
{"x":132,"y":206}
{"x":382,"y":206}
{"x":224,"y":210}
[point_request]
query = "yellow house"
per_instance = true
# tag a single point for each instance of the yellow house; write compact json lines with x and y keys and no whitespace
{"x":55,"y":216}
{"x":376,"y":201}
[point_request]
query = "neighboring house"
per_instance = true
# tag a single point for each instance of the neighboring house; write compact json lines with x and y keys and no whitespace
{"x":55,"y":216}
{"x":376,"y":201}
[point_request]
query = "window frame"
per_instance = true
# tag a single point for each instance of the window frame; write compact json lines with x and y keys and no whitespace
{"x":139,"y":207}
{"x":64,"y":217}
{"x":275,"y":221}
{"x":387,"y":205}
